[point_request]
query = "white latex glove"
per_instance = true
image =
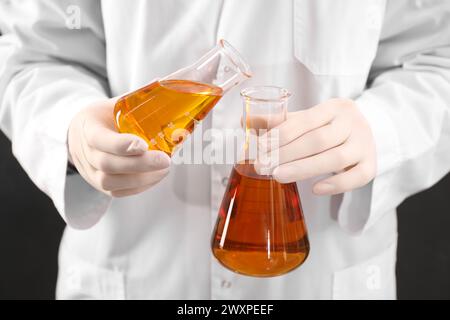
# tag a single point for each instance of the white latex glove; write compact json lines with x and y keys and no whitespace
{"x":332,"y":137}
{"x":114,"y":163}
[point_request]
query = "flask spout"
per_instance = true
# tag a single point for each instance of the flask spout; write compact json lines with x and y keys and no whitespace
{"x":222,"y":66}
{"x":234,"y":68}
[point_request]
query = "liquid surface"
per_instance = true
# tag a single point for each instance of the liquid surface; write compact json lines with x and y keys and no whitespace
{"x":164,"y":112}
{"x":260,"y":230}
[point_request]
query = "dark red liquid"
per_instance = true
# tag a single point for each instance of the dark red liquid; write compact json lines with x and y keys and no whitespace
{"x":260,"y":230}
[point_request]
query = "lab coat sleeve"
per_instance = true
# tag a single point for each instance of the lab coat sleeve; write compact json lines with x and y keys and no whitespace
{"x":53,"y":66}
{"x":408,"y":108}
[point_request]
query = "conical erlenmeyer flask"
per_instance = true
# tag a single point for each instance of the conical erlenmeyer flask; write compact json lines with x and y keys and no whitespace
{"x":164,"y":112}
{"x":260,"y":229}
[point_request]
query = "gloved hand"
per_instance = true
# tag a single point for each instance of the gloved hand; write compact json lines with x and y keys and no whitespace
{"x":332,"y":137}
{"x":116,"y":164}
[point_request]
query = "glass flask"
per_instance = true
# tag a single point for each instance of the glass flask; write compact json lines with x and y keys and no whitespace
{"x":260,"y":229}
{"x":164,"y":112}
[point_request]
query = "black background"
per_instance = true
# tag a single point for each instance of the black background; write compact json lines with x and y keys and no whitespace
{"x":30,"y":230}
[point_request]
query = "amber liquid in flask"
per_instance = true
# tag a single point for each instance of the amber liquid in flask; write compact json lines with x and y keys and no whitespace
{"x":165,"y":112}
{"x":256,"y":208}
{"x":260,"y":229}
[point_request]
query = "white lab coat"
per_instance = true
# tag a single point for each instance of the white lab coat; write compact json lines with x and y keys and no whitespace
{"x":392,"y":57}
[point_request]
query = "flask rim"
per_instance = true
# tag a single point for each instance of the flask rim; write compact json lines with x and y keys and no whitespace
{"x":236,"y":58}
{"x":266,"y":94}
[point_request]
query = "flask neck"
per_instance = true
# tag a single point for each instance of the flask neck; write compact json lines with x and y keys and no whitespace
{"x":232,"y":69}
{"x":221,"y":67}
{"x":265,"y":108}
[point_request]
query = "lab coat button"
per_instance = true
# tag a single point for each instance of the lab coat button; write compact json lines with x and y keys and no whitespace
{"x":225,"y":284}
{"x":225,"y":181}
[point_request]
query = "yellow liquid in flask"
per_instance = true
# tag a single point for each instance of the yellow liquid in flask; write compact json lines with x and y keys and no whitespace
{"x":164,"y":112}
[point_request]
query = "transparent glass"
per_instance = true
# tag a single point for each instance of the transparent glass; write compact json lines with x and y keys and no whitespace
{"x":260,"y":229}
{"x":164,"y":112}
